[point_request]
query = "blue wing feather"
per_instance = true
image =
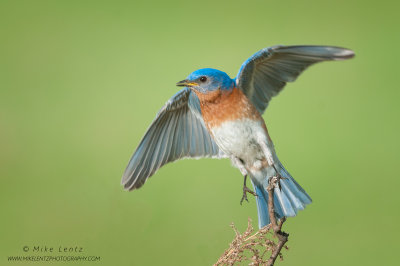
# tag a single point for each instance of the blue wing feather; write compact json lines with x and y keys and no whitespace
{"x":265,"y":73}
{"x":177,"y":132}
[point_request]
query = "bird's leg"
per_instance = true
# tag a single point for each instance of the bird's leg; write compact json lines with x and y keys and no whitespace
{"x":246,"y":190}
{"x":278,"y":176}
{"x":268,"y":149}
{"x":240,"y":164}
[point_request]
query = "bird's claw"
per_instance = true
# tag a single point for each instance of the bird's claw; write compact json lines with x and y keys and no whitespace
{"x":245,"y":191}
{"x":278,"y":178}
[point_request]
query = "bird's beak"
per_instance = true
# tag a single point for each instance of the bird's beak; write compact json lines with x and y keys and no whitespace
{"x":186,"y":83}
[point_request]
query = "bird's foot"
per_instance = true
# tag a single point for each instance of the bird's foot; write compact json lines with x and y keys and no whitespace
{"x":278,"y":177}
{"x":245,"y":191}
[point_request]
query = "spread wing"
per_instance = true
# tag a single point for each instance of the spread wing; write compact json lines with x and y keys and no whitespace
{"x":265,"y":74}
{"x":177,"y":132}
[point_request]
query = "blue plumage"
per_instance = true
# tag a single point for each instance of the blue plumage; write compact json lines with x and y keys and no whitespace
{"x":288,"y":200}
{"x":216,"y":116}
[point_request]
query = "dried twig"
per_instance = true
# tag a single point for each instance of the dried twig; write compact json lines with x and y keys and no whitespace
{"x":282,"y":236}
{"x":254,"y":247}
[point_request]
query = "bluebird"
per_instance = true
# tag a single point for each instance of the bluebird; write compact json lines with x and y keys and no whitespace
{"x":219,"y":117}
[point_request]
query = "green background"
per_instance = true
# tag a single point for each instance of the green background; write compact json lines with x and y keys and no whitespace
{"x":80,"y":82}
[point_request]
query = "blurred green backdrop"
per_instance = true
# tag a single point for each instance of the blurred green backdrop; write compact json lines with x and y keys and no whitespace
{"x":80,"y":82}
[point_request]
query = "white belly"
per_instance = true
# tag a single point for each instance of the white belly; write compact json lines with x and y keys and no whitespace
{"x":241,"y":138}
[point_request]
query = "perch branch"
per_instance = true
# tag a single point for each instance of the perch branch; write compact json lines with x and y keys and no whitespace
{"x":254,"y":246}
{"x":282,"y":236}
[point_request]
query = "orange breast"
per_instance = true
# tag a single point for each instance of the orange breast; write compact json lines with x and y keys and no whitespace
{"x":220,"y":106}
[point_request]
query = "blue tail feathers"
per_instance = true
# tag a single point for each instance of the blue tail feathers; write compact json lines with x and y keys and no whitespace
{"x":287,"y":201}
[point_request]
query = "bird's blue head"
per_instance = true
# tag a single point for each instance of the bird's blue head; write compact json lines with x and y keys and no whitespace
{"x":207,"y":80}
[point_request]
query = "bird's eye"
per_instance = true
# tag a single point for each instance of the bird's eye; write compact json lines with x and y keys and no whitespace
{"x":203,"y":79}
